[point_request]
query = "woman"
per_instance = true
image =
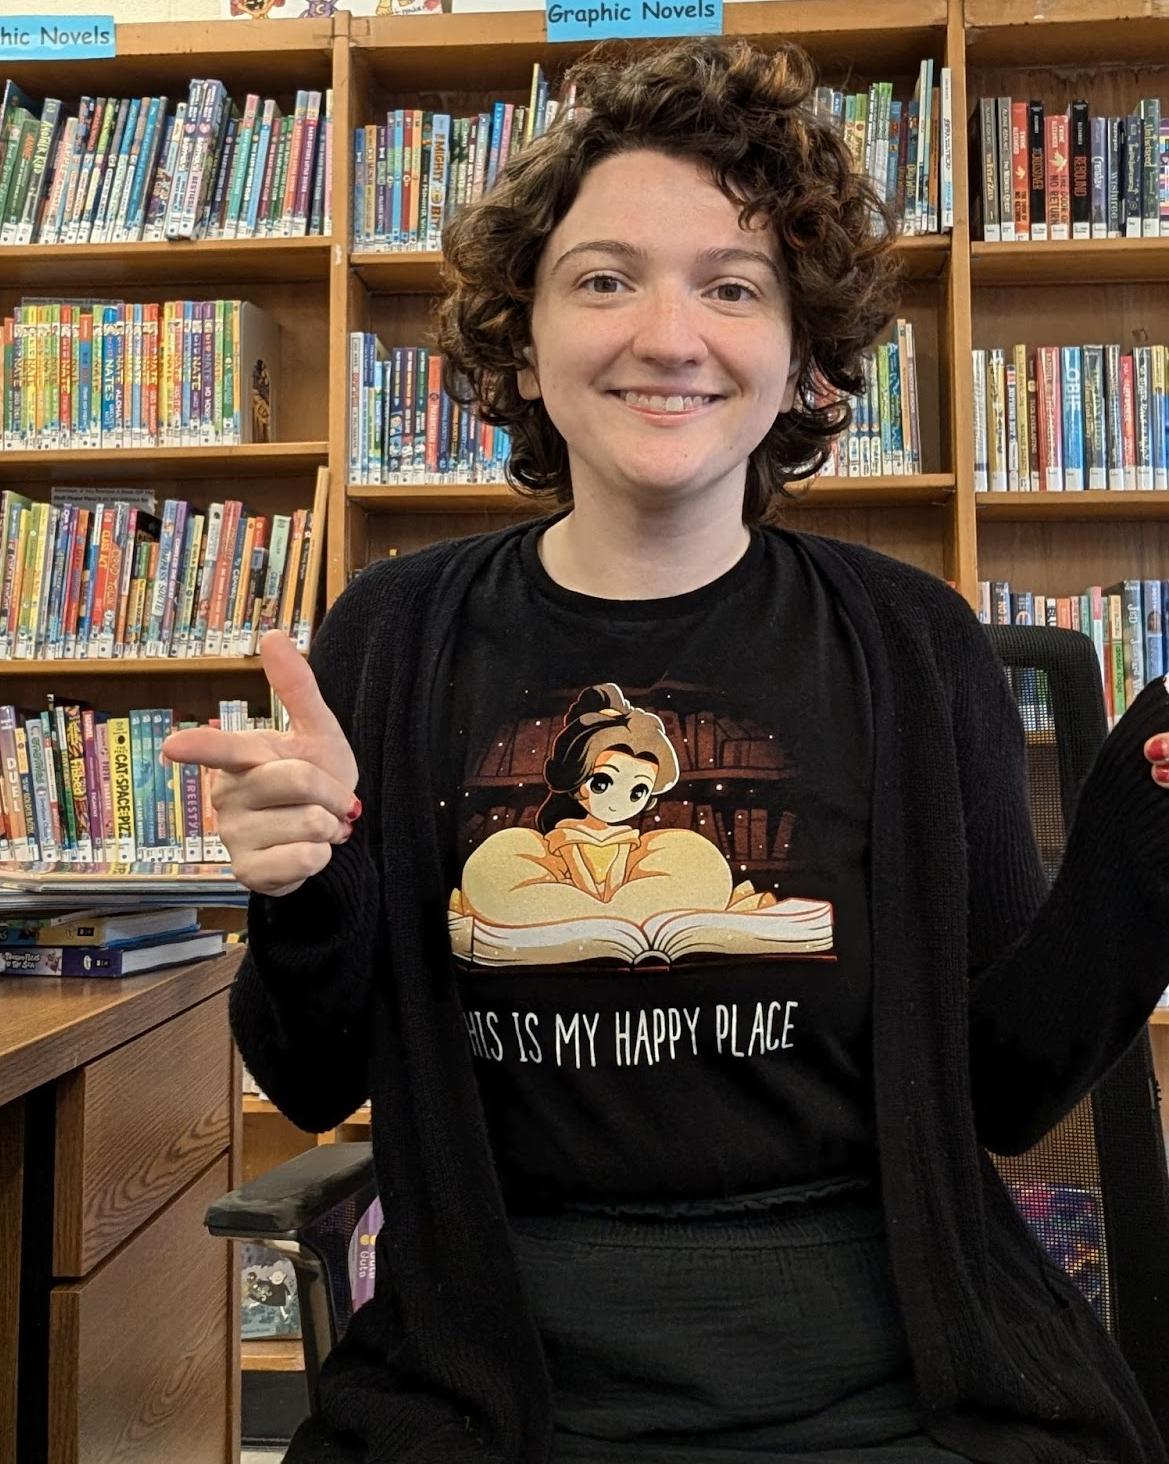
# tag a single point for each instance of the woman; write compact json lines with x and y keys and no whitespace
{"x":673,"y":1171}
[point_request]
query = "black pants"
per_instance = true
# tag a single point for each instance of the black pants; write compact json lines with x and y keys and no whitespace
{"x":758,"y":1331}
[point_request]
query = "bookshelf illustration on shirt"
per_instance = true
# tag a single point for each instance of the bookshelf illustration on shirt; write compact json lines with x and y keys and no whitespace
{"x":586,"y":885}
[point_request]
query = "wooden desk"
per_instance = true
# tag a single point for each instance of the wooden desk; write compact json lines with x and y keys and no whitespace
{"x":119,"y":1124}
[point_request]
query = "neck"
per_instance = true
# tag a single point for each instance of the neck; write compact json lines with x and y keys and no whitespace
{"x":641,"y":557}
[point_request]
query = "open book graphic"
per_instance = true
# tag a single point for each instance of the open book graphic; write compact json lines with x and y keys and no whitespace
{"x":790,"y":928}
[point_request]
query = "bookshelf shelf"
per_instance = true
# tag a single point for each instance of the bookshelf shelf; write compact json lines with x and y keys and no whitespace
{"x":1121,"y":506}
{"x":135,"y":666}
{"x":271,"y":1354}
{"x":179,"y":261}
{"x":1075,"y":33}
{"x":417,"y":272}
{"x":923,"y":488}
{"x":1070,"y":262}
{"x":249,"y":460}
{"x":1160,"y":1017}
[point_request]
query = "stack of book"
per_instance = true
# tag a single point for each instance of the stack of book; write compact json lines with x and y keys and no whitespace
{"x":404,"y":428}
{"x":123,"y":169}
{"x":97,"y":942}
{"x":1125,"y":623}
{"x":1048,"y":174}
{"x":98,"y":576}
{"x":1068,"y":418}
{"x":79,"y":786}
{"x":884,"y":436}
{"x":413,"y":172}
{"x":904,"y":147}
{"x":101,"y":374}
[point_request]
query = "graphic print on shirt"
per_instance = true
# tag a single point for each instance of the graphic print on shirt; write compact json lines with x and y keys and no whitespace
{"x":591,"y":883}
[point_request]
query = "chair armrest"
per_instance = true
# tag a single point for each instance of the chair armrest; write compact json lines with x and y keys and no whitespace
{"x":282,"y":1203}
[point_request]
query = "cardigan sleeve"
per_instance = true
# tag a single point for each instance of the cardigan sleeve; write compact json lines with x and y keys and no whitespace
{"x":299,"y":1001}
{"x":1062,"y":980}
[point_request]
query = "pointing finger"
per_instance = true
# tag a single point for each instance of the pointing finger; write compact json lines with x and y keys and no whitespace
{"x":291,"y":678}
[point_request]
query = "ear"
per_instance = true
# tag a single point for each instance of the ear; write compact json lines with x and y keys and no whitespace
{"x":788,"y":400}
{"x":527,"y":381}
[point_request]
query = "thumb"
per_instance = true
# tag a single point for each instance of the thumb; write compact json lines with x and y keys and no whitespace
{"x":291,"y":677}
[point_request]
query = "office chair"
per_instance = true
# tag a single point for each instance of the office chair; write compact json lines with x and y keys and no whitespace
{"x":1094,"y":1190}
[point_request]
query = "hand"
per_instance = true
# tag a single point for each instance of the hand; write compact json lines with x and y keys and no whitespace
{"x":1157,"y":752}
{"x":282,"y":799}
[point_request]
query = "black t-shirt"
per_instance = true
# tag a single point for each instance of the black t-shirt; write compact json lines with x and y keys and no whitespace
{"x":656,"y":818}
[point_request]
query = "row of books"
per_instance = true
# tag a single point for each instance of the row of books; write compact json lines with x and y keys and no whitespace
{"x":1068,"y":418}
{"x":1124,"y":621}
{"x":404,"y":427}
{"x":1039,"y":173}
{"x":904,"y":147}
{"x":181,"y":373}
{"x":884,"y":435}
{"x":93,"y":576}
{"x":121,"y":169}
{"x":416,"y":170}
{"x":85,"y":786}
{"x":94,"y":943}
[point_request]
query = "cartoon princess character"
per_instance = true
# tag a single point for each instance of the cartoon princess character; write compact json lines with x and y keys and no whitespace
{"x":586,"y":856}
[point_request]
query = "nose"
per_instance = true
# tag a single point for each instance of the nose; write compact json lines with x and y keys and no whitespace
{"x":666,"y":328}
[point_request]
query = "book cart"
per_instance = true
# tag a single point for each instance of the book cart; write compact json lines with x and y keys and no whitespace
{"x":958,"y":294}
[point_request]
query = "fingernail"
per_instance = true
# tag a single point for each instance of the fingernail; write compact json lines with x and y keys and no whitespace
{"x":1161,"y":774}
{"x":355,"y":812}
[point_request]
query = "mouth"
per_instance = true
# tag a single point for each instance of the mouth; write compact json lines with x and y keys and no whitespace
{"x":675,"y":405}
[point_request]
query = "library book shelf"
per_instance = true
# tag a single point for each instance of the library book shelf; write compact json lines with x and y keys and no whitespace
{"x":959,"y":294}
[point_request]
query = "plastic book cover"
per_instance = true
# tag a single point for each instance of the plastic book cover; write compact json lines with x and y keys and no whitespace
{"x":269,"y":1306}
{"x":1068,"y":1222}
{"x":362,"y":1252}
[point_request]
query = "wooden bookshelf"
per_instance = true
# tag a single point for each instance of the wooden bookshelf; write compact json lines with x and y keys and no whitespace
{"x":130,"y":464}
{"x":958,"y":293}
{"x":174,"y":261}
{"x":918,"y":488}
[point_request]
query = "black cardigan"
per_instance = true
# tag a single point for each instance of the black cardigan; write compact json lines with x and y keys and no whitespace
{"x":997,"y":1004}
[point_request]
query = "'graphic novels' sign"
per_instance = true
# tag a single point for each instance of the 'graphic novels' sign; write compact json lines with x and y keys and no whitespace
{"x":56,"y":37}
{"x":598,"y":20}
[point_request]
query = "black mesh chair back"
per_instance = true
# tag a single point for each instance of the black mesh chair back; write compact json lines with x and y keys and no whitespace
{"x":1095,"y":1189}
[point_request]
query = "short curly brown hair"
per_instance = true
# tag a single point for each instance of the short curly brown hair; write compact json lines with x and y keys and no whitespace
{"x":745,"y":116}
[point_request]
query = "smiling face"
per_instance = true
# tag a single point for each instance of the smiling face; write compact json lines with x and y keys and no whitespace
{"x":619,"y":787}
{"x":661,"y":332}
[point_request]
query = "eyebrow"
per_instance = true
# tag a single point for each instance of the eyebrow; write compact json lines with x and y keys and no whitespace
{"x":734,"y":254}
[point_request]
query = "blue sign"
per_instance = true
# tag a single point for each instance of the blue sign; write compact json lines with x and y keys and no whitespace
{"x":56,"y":37}
{"x":601,"y":20}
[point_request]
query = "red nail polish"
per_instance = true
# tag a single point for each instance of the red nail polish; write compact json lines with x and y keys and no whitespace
{"x":355,"y":812}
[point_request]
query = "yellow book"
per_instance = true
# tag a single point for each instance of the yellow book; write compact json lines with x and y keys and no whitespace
{"x":33,"y":527}
{"x":1160,"y":382}
{"x":175,"y":783}
{"x":30,"y":379}
{"x":122,"y":783}
{"x":292,"y":564}
{"x":236,"y":612}
{"x":304,"y":621}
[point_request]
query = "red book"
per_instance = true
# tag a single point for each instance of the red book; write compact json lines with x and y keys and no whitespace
{"x":1020,"y":169}
{"x":1058,"y":177}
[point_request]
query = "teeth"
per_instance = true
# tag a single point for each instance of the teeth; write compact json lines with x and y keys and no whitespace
{"x":664,"y":403}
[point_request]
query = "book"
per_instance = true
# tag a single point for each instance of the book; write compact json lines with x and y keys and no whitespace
{"x":97,"y":926}
{"x":792,"y":927}
{"x":127,"y":959}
